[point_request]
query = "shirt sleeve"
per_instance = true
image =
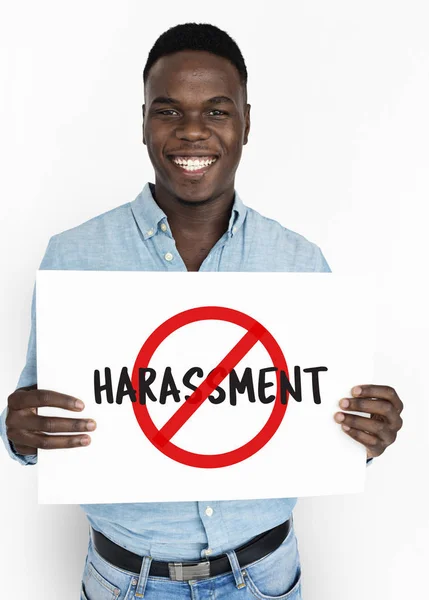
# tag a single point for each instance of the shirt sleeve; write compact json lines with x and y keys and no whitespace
{"x":28,"y":375}
{"x":321,"y":265}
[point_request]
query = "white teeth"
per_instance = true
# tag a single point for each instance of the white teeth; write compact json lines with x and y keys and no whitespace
{"x":193,"y":165}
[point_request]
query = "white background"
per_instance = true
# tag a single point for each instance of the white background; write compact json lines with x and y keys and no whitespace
{"x":337,"y":151}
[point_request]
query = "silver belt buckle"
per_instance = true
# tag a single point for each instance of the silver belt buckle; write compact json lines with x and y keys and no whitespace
{"x":187,"y":571}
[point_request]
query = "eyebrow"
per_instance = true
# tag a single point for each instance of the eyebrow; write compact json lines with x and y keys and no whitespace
{"x":214,"y":100}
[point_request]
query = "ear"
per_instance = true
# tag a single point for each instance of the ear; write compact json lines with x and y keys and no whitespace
{"x":247,"y":124}
{"x":144,"y":139}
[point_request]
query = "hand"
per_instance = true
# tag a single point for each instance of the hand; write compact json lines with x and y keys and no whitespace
{"x":380,"y":430}
{"x":25,"y":427}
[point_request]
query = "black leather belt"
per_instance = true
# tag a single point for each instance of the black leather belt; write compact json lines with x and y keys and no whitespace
{"x":256,"y":548}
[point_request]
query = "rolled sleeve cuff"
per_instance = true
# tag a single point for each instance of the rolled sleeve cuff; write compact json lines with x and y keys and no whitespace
{"x":29,"y":459}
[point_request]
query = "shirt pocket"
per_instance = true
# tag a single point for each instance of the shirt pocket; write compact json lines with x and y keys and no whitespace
{"x":97,"y":587}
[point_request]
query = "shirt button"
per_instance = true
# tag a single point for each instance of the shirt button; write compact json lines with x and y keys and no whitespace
{"x":150,"y":232}
{"x":209,"y":511}
{"x":163,"y":227}
{"x":208,"y":551}
{"x":234,"y":229}
{"x":168,"y":256}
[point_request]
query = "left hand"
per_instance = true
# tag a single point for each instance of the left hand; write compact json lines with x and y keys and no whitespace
{"x":380,"y":430}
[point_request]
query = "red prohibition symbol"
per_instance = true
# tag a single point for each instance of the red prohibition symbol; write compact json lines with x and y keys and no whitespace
{"x":161,"y":438}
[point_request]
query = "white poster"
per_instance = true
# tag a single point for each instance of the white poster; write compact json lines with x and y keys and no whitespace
{"x":203,"y":385}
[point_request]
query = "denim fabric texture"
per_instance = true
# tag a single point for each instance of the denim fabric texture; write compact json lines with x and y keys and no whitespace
{"x":275,"y":576}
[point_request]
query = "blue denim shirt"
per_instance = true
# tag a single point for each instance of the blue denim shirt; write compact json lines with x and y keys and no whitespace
{"x":136,"y":237}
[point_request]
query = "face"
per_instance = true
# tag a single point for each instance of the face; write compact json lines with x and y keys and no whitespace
{"x":195,"y":108}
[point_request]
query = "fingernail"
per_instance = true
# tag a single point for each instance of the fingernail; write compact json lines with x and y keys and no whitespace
{"x":346,"y":427}
{"x":85,"y":441}
{"x":356,"y":391}
{"x":91,"y":425}
{"x":344,"y":403}
{"x":79,"y":404}
{"x":339,"y":417}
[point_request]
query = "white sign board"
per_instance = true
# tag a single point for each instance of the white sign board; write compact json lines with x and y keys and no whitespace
{"x":203,"y":385}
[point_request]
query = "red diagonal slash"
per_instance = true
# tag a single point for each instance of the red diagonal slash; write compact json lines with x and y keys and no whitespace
{"x":255,"y":332}
{"x":196,"y":399}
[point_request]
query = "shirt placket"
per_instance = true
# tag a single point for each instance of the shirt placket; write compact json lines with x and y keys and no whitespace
{"x":214,"y":526}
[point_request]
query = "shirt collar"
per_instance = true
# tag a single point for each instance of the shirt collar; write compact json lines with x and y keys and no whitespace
{"x":150,"y":216}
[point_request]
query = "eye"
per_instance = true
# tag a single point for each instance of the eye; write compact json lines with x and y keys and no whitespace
{"x":161,"y":112}
{"x":219,"y":111}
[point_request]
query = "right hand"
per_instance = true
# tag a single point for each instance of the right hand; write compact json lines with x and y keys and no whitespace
{"x":25,"y":428}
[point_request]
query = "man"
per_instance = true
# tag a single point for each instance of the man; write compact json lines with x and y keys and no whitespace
{"x":196,"y":120}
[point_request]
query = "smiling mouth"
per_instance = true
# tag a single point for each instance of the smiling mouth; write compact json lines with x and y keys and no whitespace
{"x":197,"y":165}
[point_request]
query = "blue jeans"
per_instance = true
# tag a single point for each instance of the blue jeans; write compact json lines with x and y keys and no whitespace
{"x":276,"y":576}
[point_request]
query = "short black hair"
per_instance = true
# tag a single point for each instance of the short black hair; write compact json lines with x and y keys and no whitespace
{"x":197,"y":36}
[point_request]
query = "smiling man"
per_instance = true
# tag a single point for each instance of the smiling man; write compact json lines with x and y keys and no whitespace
{"x":196,"y":120}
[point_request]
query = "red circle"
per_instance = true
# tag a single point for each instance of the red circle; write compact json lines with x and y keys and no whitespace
{"x":142,"y":361}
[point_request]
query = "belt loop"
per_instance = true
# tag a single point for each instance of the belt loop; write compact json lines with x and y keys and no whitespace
{"x":144,"y":574}
{"x":236,"y":569}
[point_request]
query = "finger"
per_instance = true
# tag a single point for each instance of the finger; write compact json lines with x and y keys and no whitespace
{"x":48,"y":442}
{"x":36,"y":398}
{"x":374,"y":445}
{"x":57,"y":424}
{"x":383,"y":408}
{"x":384,"y":392}
{"x":23,"y":449}
{"x":378,"y":429}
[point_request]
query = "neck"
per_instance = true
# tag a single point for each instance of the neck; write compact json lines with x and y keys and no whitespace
{"x":195,"y":219}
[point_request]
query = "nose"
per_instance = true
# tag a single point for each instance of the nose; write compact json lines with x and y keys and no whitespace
{"x":192,"y":128}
